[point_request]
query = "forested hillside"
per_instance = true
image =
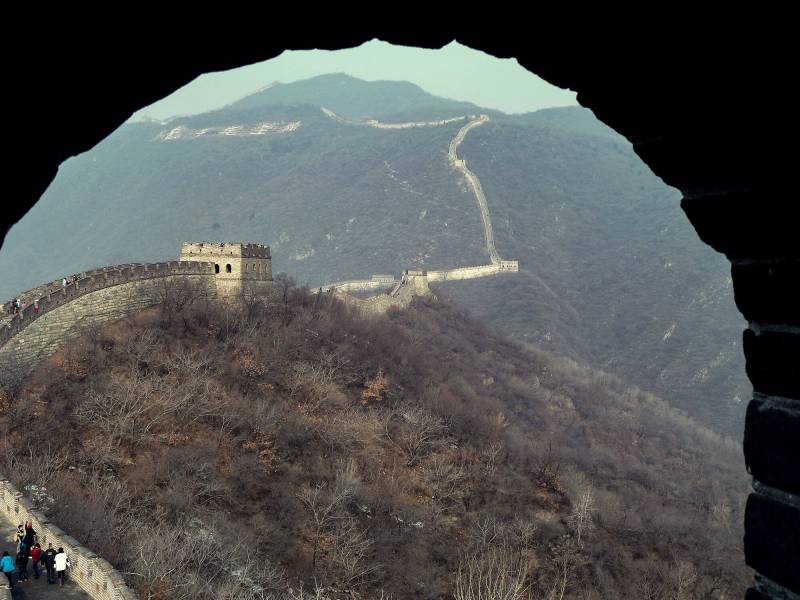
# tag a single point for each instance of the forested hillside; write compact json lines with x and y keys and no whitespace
{"x":223,"y":453}
{"x":612,"y":272}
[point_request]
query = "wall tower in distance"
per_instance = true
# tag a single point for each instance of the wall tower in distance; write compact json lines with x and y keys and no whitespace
{"x":239,"y":268}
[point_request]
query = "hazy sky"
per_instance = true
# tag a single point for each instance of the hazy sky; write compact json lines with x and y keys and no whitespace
{"x":455,"y":71}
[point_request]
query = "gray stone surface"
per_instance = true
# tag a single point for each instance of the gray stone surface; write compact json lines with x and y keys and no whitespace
{"x":33,"y":588}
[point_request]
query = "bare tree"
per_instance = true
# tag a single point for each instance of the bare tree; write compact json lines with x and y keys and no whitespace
{"x":412,"y":429}
{"x":680,"y":580}
{"x":350,"y":555}
{"x":133,"y":405}
{"x":444,"y":478}
{"x":489,"y":457}
{"x":491,"y":575}
{"x":580,"y":518}
{"x":323,"y":506}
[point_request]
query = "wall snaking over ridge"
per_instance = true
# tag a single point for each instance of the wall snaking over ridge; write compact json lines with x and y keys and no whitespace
{"x":103,"y":295}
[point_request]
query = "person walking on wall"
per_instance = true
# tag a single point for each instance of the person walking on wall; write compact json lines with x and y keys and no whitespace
{"x":7,"y":565}
{"x":62,"y":562}
{"x":49,"y":559}
{"x":19,"y":535}
{"x":22,"y":563}
{"x":36,"y":556}
{"x":30,"y":535}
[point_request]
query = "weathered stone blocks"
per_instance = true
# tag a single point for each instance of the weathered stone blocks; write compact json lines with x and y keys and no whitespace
{"x":772,"y":360}
{"x":745,"y":225}
{"x":772,"y":539}
{"x":768,"y":292}
{"x":772,"y":443}
{"x":93,"y":574}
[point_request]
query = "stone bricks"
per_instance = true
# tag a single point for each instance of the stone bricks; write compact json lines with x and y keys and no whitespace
{"x":772,"y":444}
{"x":768,"y":292}
{"x":125,"y":294}
{"x":92,"y":574}
{"x":772,"y":540}
{"x":773,"y":362}
{"x":239,"y":269}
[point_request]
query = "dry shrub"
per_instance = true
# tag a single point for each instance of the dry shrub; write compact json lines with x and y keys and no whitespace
{"x":250,"y":365}
{"x":375,"y":388}
{"x":494,"y":574}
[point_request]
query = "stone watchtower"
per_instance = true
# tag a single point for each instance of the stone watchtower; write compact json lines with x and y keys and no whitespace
{"x":239,"y":269}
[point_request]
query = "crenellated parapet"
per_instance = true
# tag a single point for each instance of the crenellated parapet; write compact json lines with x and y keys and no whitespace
{"x":96,"y":576}
{"x":56,"y":313}
{"x":55,"y":295}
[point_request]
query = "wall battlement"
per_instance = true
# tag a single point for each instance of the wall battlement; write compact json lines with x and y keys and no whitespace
{"x":239,"y":269}
{"x":92,"y":281}
{"x":57,"y":313}
{"x":96,"y":576}
{"x":235,"y":249}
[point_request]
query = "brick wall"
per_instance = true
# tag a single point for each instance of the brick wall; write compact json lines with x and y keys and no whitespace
{"x":105,"y":295}
{"x":93,"y":574}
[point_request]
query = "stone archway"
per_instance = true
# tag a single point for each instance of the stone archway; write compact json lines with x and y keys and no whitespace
{"x":696,"y":102}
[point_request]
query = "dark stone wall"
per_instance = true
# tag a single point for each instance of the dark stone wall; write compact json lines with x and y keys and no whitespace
{"x":700,"y":98}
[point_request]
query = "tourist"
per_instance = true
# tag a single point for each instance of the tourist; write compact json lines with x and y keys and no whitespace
{"x":63,"y":283}
{"x":49,"y":559}
{"x":62,"y":562}
{"x":36,"y":308}
{"x":19,"y":535}
{"x":30,"y":534}
{"x":36,"y":556}
{"x":22,"y":563}
{"x":7,"y":564}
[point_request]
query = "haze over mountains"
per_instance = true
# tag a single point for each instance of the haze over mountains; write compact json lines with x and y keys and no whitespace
{"x":612,"y":272}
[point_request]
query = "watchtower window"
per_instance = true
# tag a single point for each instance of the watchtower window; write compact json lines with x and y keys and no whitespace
{"x":216,"y":268}
{"x":228,"y":269}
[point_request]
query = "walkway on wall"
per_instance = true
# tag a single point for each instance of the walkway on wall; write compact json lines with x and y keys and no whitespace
{"x":475,"y":184}
{"x":497,"y":264}
{"x":33,"y":589}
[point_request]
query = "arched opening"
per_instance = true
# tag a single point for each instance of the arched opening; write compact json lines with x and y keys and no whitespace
{"x":216,"y":268}
{"x":228,"y":269}
{"x":606,"y":97}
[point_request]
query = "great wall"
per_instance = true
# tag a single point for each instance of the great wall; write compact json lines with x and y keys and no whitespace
{"x":59,"y":311}
{"x":94,"y":575}
{"x":56,"y":312}
{"x":497,"y":265}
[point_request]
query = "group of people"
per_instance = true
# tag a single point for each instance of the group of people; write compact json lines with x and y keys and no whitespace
{"x":54,"y":561}
{"x":18,"y":307}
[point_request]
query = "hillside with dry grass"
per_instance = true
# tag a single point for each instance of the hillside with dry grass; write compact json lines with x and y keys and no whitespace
{"x":290,"y":449}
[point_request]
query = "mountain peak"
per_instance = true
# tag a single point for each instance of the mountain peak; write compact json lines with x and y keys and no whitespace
{"x":352,"y":97}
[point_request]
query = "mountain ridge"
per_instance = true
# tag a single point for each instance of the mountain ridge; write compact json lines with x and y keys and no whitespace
{"x":340,"y":201}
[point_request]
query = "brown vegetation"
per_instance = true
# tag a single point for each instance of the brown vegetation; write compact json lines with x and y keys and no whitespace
{"x":294,"y":450}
